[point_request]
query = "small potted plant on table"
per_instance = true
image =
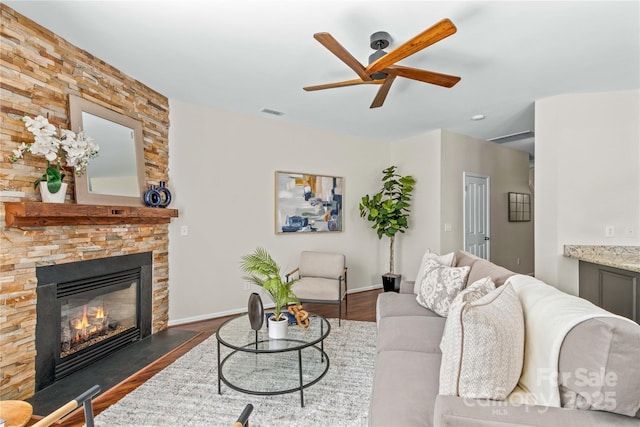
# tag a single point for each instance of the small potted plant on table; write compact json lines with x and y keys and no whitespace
{"x":263,"y":271}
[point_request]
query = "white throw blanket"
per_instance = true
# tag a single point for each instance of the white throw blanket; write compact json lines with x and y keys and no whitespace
{"x":549,"y":314}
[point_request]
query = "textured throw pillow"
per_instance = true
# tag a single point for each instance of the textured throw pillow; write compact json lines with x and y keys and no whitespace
{"x":447,"y":259}
{"x":483,"y":350}
{"x":440,"y":285}
{"x":471,"y":293}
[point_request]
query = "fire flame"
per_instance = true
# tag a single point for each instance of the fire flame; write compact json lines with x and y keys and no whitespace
{"x":100,"y":312}
{"x":82,"y":323}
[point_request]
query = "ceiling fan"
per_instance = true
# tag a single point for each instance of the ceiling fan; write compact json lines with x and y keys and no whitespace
{"x":382,"y":68}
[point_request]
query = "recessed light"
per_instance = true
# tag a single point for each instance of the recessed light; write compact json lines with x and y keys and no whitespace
{"x":477,"y":117}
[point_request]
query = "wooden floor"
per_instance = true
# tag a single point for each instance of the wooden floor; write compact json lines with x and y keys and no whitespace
{"x":362,"y":306}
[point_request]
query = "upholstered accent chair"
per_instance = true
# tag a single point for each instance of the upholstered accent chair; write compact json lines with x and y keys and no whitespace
{"x":323,"y":279}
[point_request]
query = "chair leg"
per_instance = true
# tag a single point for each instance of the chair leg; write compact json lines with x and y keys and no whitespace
{"x":339,"y":312}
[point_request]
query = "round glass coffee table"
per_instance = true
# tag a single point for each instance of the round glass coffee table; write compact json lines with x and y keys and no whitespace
{"x":261,"y":365}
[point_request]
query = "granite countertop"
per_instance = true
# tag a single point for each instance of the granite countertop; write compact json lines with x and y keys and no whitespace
{"x":624,"y":257}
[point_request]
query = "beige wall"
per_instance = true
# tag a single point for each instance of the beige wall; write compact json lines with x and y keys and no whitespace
{"x":587,"y":177}
{"x":508,"y":170}
{"x":419,"y":157}
{"x":222,"y":177}
{"x":437,"y":160}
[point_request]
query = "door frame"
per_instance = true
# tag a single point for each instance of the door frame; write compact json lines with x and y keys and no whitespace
{"x":464,"y":209}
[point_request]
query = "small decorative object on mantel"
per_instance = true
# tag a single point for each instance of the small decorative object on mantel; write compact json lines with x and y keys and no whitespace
{"x":157,"y":197}
{"x":152,"y":197}
{"x":255,"y":311}
{"x":54,"y":144}
{"x":163,"y":190}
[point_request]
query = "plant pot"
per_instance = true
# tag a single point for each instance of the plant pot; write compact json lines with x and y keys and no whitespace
{"x":49,"y":197}
{"x":391,"y":282}
{"x":278,"y":328}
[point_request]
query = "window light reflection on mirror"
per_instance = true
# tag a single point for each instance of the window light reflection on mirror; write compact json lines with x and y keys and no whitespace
{"x":114,"y":170}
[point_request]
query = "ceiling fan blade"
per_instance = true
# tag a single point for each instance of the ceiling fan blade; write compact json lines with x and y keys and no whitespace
{"x":338,"y":50}
{"x":342,"y":84}
{"x":425,"y":76}
{"x":426,"y":38}
{"x":383,"y":91}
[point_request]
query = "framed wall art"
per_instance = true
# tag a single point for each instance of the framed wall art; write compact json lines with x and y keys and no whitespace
{"x":308,"y":203}
{"x":519,"y":207}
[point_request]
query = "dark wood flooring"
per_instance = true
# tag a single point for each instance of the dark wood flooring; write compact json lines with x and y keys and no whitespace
{"x":362,"y":306}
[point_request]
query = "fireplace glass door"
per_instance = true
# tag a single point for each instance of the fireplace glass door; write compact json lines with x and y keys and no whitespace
{"x":87,"y":320}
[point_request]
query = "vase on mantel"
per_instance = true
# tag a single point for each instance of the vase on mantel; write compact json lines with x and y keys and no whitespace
{"x":48,"y":197}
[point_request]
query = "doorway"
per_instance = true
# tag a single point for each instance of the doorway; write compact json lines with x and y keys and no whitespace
{"x":476,"y":215}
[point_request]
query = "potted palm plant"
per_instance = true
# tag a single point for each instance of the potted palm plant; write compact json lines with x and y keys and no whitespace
{"x":388,"y":210}
{"x":263,"y":271}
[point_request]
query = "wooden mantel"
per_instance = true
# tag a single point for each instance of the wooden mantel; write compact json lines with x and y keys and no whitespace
{"x":38,"y":214}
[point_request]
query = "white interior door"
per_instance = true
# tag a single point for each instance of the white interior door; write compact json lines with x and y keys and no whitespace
{"x":476,"y":214}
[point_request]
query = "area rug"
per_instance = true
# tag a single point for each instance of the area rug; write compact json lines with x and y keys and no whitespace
{"x":186,"y":392}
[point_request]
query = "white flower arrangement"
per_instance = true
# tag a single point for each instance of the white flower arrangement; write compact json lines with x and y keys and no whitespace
{"x":77,"y":149}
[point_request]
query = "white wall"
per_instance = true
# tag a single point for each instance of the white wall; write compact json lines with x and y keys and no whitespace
{"x":587,"y":177}
{"x":221,"y":172}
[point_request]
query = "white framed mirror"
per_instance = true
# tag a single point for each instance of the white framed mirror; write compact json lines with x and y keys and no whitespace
{"x":117,"y":175}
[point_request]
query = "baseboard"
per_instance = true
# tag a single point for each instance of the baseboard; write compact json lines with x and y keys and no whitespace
{"x":365,"y":288}
{"x":210,"y":316}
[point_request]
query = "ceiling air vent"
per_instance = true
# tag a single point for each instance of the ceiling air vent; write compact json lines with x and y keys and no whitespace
{"x":272,"y":112}
{"x":513,"y":137}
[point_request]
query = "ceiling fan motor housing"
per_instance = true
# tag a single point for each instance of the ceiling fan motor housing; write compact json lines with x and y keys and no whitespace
{"x":379,"y":41}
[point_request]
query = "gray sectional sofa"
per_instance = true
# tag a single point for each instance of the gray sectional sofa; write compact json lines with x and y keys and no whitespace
{"x":408,"y":361}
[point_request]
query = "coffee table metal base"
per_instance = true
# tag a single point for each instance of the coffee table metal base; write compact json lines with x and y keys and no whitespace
{"x":302,"y":385}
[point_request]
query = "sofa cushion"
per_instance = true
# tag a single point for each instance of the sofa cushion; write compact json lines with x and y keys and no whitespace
{"x":484,"y":346}
{"x":594,"y":362}
{"x":465,"y":259}
{"x":483,"y":268}
{"x":453,"y":411}
{"x":394,"y":304}
{"x":440,"y":285}
{"x":447,"y":259}
{"x":410,"y":333}
{"x":405,"y":389}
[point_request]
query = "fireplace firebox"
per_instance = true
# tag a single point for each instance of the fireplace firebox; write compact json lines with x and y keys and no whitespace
{"x":86,"y":310}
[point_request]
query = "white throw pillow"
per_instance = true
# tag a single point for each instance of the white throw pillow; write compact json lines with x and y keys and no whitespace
{"x":440,"y":285}
{"x":447,"y":259}
{"x":483,"y":351}
{"x":471,"y":293}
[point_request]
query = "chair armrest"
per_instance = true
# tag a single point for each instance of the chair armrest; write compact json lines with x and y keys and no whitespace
{"x":291,"y":273}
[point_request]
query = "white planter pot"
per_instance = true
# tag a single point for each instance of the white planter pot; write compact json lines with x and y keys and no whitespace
{"x":48,"y":197}
{"x":278,"y":329}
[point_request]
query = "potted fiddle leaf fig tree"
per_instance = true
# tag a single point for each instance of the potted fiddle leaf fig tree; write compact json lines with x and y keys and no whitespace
{"x":263,"y":271}
{"x":388,"y":210}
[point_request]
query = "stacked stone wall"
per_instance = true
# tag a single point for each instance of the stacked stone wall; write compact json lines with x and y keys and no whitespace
{"x":38,"y":72}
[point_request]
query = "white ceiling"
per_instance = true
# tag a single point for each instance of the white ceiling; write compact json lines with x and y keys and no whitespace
{"x":245,"y":56}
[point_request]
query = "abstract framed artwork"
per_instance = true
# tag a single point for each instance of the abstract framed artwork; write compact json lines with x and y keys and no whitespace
{"x":308,"y":203}
{"x":519,"y":207}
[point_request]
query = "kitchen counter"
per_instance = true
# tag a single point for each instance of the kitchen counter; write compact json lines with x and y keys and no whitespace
{"x":623,"y":257}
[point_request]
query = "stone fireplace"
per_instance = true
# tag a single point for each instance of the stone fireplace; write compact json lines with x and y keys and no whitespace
{"x":41,"y":70}
{"x":88,"y":309}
